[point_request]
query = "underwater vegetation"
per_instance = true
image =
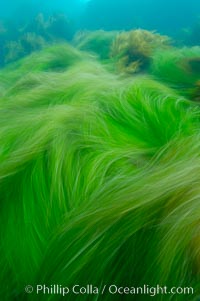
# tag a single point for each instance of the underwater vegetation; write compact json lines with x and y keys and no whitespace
{"x":100,"y":170}
{"x":28,"y":37}
{"x":27,"y":43}
{"x":25,"y":73}
{"x":133,"y":49}
{"x":180,"y":68}
{"x":98,"y":42}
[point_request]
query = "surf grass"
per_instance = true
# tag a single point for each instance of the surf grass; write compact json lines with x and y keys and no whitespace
{"x":98,"y":42}
{"x":55,"y":58}
{"x":180,"y":68}
{"x":99,"y":184}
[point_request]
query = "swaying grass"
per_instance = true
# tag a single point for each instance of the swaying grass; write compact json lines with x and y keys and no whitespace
{"x":99,"y":181}
{"x":178,"y":67}
{"x":55,"y":58}
{"x":98,"y":42}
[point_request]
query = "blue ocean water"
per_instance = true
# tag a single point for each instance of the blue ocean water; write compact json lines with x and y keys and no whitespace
{"x":28,"y":25}
{"x":168,"y":16}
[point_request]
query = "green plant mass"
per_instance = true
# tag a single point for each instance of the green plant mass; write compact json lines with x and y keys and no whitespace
{"x":98,"y":42}
{"x":133,"y":49}
{"x":100,"y":169}
{"x":179,"y":67}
